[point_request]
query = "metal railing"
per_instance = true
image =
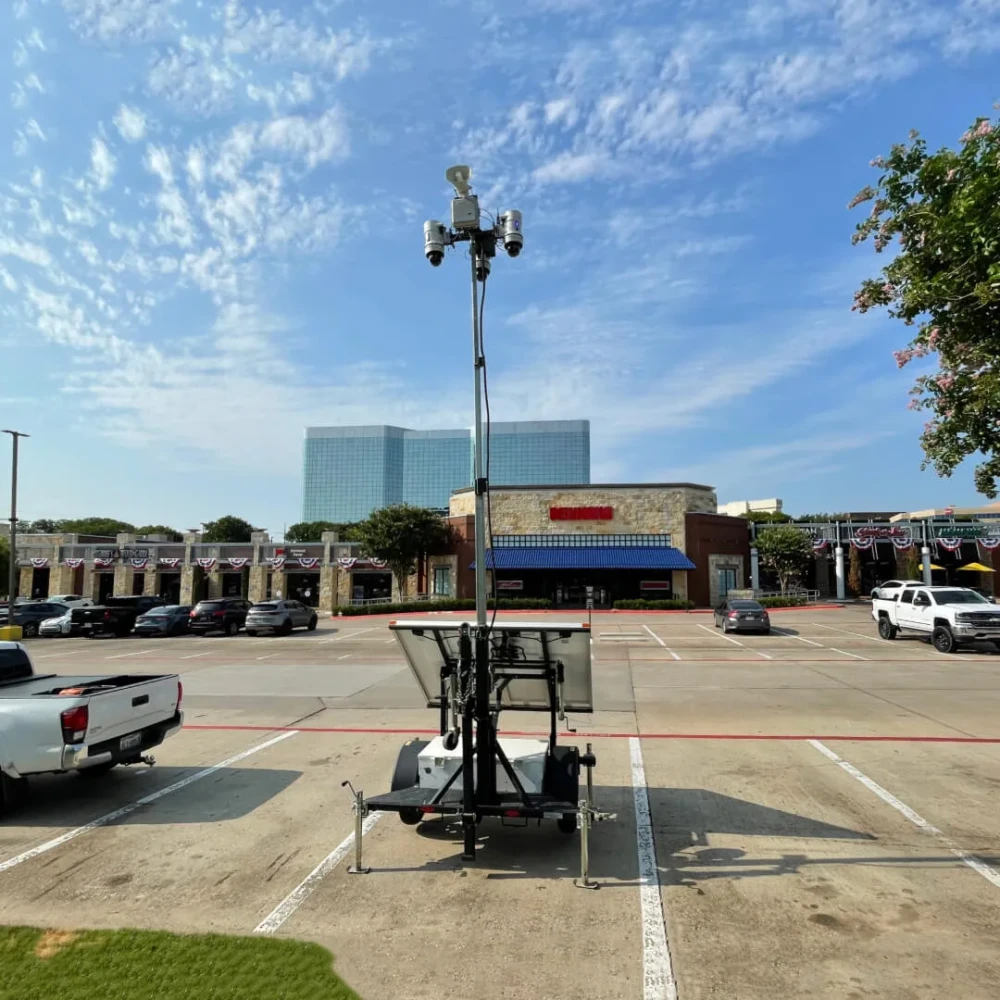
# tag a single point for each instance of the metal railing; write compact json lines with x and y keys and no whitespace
{"x":366,"y":601}
{"x":811,"y":596}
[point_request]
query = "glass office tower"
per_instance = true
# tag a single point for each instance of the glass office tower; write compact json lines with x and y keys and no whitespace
{"x":350,"y":471}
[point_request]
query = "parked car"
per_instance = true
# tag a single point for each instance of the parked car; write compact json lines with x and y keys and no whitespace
{"x":30,"y":615}
{"x":221,"y":614}
{"x":61,"y":625}
{"x":948,"y":616}
{"x":893,"y":588}
{"x":280,"y":617}
{"x":115,"y":616}
{"x":89,"y":724}
{"x":71,"y":600}
{"x":171,"y":619}
{"x":742,"y":616}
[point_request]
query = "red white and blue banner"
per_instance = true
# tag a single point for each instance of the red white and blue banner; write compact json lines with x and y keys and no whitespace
{"x":138,"y":563}
{"x":102,"y":561}
{"x":73,"y":563}
{"x":951,"y":544}
{"x":39,"y":562}
{"x":903,"y":543}
{"x":819,"y":544}
{"x":207,"y":562}
{"x":346,"y":562}
{"x":276,"y":561}
{"x":308,"y":562}
{"x":862,"y":543}
{"x":171,"y":562}
{"x":989,"y":542}
{"x":238,"y":562}
{"x":377,"y":563}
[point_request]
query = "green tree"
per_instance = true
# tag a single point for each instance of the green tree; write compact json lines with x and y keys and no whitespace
{"x":227,"y":529}
{"x":312,"y":531}
{"x":160,"y":529}
{"x":854,"y":571}
{"x":41,"y":526}
{"x":94,"y":526}
{"x":786,"y":551}
{"x":942,"y":210}
{"x":767,"y":517}
{"x":401,"y":534}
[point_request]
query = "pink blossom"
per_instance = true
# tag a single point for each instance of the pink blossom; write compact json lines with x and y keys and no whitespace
{"x":951,"y":174}
{"x":889,"y":289}
{"x":984,"y":128}
{"x":920,"y":351}
{"x":945,"y":382}
{"x":949,"y":413}
{"x":913,"y":404}
{"x":904,"y":357}
{"x":932,"y":337}
{"x":878,"y":161}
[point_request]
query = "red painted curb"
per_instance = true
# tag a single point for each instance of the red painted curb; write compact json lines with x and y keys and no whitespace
{"x":402,"y":731}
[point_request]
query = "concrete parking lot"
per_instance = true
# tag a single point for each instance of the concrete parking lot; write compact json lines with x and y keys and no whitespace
{"x":821,"y":805}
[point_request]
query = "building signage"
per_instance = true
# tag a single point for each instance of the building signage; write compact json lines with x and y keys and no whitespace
{"x":133,"y":553}
{"x":963,"y":530}
{"x":881,"y":531}
{"x":654,"y":584}
{"x":581,"y":513}
{"x":106,"y":555}
{"x":510,"y":584}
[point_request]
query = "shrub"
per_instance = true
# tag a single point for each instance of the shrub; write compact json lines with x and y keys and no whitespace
{"x":452,"y":604}
{"x":641,"y":605}
{"x":781,"y":602}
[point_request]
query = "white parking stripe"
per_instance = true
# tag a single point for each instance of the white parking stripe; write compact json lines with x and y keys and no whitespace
{"x":351,"y":635}
{"x":307,"y":886}
{"x":717,"y":635}
{"x":657,"y":969}
{"x":116,"y":814}
{"x":194,"y":656}
{"x":791,"y":635}
{"x":844,"y":652}
{"x":859,"y":635}
{"x":977,"y":865}
{"x":121,"y":656}
{"x":268,"y":656}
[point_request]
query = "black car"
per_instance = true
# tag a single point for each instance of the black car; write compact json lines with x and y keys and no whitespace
{"x":221,"y":614}
{"x":31,"y":614}
{"x":742,"y":616}
{"x":171,"y":619}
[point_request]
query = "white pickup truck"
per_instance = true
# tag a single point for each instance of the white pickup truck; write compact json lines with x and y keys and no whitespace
{"x":949,"y":616}
{"x":88,"y":724}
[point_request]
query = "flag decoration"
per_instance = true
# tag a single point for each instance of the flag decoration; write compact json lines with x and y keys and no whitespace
{"x":989,"y":542}
{"x":346,"y":562}
{"x":377,"y":563}
{"x":277,"y":561}
{"x":862,"y":544}
{"x":206,"y":562}
{"x":73,"y":563}
{"x":951,"y":544}
{"x":308,"y":562}
{"x":102,"y":561}
{"x":903,"y":542}
{"x":238,"y":562}
{"x":138,"y":563}
{"x":819,"y":544}
{"x":170,"y":561}
{"x":39,"y":562}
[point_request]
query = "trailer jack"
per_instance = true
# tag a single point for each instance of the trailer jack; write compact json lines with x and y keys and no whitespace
{"x":588,"y":816}
{"x":360,"y":810}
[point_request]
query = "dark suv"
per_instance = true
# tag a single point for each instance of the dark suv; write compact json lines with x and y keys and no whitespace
{"x":221,"y":614}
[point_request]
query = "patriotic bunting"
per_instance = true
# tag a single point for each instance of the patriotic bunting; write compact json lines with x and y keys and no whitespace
{"x":819,"y":544}
{"x":346,"y":562}
{"x":238,"y":562}
{"x":862,"y":544}
{"x":206,"y":562}
{"x":171,"y":562}
{"x":39,"y":562}
{"x":377,"y":563}
{"x":277,"y":561}
{"x":138,"y":563}
{"x":73,"y":563}
{"x":989,"y":542}
{"x":101,"y":561}
{"x":951,"y":544}
{"x":308,"y":562}
{"x":904,"y":542}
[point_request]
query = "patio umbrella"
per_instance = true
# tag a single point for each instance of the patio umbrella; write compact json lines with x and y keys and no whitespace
{"x":976,"y":567}
{"x":933,"y":566}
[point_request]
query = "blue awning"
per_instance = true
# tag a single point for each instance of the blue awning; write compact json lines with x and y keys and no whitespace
{"x":587,"y":557}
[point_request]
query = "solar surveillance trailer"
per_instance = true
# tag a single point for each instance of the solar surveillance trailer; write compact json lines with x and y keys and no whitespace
{"x":472,"y":671}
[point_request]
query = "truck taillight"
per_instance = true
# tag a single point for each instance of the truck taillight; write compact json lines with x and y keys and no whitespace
{"x":74,"y":723}
{"x":180,"y":694}
{"x":219,"y":614}
{"x":192,"y":613}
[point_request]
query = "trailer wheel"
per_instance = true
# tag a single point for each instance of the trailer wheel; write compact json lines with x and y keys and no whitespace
{"x":406,"y":775}
{"x":567,"y":823}
{"x":886,"y":629}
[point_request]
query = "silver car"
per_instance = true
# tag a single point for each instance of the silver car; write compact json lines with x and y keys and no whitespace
{"x":280,"y":617}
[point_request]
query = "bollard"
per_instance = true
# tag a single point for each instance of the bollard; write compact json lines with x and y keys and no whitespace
{"x":360,"y":809}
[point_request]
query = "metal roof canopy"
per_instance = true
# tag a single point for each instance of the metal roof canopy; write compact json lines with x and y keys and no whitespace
{"x":579,"y":557}
{"x":522,"y":656}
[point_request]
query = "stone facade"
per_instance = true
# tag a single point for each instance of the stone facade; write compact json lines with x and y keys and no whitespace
{"x":716,"y":563}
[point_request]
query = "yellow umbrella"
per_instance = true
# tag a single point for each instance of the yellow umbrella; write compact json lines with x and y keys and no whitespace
{"x":976,"y":567}
{"x":933,"y":566}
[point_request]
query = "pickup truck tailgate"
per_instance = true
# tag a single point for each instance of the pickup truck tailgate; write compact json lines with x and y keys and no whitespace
{"x":145,"y":702}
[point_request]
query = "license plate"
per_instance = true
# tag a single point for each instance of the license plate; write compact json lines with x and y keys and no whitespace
{"x":127,"y":742}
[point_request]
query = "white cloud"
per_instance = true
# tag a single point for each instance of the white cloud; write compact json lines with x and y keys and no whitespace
{"x":7,"y":279}
{"x":316,"y":140}
{"x":102,"y":163}
{"x":574,"y":168}
{"x":131,"y":123}
{"x":196,"y":76}
{"x":121,"y":20}
{"x":30,"y":253}
{"x":30,"y":84}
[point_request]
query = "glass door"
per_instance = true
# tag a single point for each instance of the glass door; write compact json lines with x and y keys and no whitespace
{"x":727,"y":582}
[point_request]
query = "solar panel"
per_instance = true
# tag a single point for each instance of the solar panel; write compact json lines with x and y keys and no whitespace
{"x":519,"y":652}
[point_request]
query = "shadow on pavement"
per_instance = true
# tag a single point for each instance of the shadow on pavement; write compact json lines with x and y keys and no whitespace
{"x":61,"y":800}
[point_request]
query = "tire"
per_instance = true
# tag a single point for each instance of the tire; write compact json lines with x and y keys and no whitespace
{"x":252,"y":632}
{"x":98,"y":770}
{"x":313,"y":622}
{"x":29,"y":630}
{"x":232,"y":628}
{"x":406,"y":775}
{"x":886,"y":629}
{"x":286,"y":627}
{"x":567,"y":823}
{"x":13,"y":792}
{"x":766,"y":631}
{"x":943,"y":640}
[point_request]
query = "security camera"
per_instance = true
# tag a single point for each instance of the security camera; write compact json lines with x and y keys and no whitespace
{"x":513,"y":238}
{"x":482,"y":267}
{"x":436,"y":238}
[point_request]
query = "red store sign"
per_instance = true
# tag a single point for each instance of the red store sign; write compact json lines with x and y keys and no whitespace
{"x":581,"y":513}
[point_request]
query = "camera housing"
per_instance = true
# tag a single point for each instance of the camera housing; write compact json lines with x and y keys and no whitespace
{"x":513,"y":238}
{"x":436,"y":238}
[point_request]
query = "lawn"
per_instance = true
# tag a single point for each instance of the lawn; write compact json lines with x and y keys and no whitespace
{"x":153,"y":965}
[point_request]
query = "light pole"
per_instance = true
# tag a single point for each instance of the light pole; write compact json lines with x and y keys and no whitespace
{"x":12,"y":574}
{"x":465,"y":228}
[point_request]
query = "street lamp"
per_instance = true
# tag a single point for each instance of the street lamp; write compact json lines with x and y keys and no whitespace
{"x":12,"y":574}
{"x":465,"y":228}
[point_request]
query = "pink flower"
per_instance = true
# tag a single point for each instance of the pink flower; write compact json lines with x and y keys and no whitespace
{"x":904,"y":357}
{"x":913,"y":404}
{"x":984,"y":128}
{"x":945,"y":382}
{"x":951,"y":174}
{"x":889,"y":289}
{"x":932,"y":337}
{"x":878,"y":161}
{"x":920,"y":351}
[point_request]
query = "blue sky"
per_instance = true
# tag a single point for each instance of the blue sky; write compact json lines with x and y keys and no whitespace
{"x":210,"y":237}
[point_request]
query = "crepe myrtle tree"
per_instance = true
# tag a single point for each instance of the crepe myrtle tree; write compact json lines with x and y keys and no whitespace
{"x":854,"y":576}
{"x":227,"y":529}
{"x":786,"y":551}
{"x":939,"y":215}
{"x":400,"y":534}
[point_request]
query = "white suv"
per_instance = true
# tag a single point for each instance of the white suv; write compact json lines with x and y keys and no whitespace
{"x":892,"y":588}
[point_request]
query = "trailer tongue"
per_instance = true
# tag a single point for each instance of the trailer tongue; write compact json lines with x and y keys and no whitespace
{"x":468,"y":770}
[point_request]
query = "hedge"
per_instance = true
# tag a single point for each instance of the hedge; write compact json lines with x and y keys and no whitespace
{"x":781,"y":602}
{"x":641,"y":605}
{"x":465,"y":604}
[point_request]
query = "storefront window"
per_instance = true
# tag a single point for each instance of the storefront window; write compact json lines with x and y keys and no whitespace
{"x":442,"y":581}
